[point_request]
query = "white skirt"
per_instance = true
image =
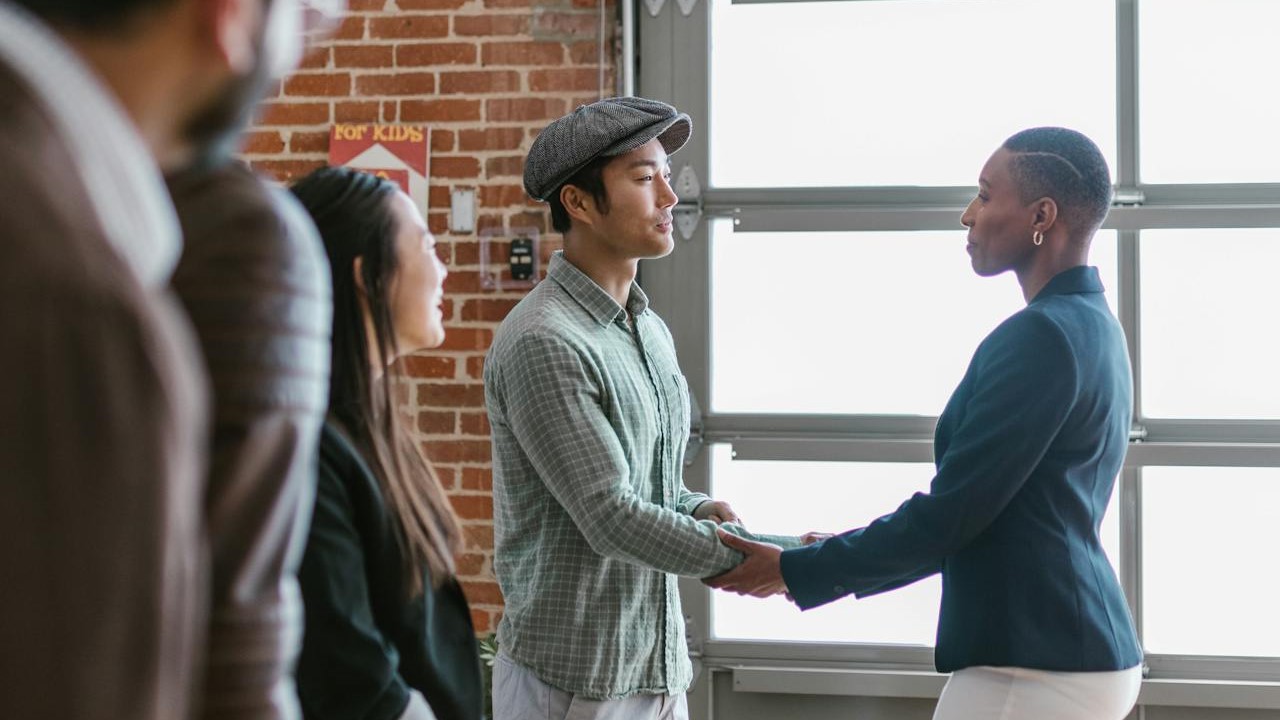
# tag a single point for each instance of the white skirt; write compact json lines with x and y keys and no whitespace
{"x":1012,"y":693}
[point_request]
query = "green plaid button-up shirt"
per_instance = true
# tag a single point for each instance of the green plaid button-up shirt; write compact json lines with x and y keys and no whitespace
{"x":590,"y":415}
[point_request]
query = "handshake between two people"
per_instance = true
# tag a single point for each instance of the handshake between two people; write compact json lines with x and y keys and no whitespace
{"x":760,"y":572}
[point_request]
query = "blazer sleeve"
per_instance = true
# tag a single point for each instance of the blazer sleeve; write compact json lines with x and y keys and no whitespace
{"x":347,"y":668}
{"x":1024,"y":386}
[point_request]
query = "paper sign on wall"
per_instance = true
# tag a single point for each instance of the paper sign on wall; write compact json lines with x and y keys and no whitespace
{"x":399,"y":153}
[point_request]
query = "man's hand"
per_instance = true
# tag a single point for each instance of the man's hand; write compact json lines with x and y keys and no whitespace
{"x":759,"y":575}
{"x":717,"y":511}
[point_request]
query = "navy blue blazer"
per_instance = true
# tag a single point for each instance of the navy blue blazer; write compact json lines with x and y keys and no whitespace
{"x":1027,"y":452}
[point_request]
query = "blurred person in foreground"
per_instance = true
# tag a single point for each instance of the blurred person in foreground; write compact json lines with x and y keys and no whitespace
{"x":104,"y":425}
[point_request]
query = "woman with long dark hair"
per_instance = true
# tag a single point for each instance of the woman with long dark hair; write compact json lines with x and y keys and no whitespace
{"x":388,"y":630}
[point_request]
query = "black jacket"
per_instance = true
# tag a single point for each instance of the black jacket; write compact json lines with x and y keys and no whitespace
{"x":367,"y":643}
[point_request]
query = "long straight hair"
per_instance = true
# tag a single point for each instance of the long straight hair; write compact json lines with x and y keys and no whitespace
{"x":353,"y":212}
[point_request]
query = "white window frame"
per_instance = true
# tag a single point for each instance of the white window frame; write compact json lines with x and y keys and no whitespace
{"x":674,"y":61}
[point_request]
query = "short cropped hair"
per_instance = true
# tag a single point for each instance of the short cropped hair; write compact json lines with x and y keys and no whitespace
{"x":590,"y":179}
{"x":1064,"y":165}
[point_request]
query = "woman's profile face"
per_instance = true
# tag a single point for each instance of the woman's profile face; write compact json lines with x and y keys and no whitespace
{"x":417,"y":289}
{"x":999,"y":222}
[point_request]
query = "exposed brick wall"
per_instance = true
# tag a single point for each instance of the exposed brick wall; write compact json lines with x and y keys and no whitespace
{"x":485,"y":76}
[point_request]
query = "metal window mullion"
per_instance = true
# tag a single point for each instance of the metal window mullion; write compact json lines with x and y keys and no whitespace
{"x":1127,"y":145}
{"x":1131,"y":543}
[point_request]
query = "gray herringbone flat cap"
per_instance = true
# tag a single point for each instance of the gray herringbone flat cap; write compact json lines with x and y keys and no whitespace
{"x":609,"y":127}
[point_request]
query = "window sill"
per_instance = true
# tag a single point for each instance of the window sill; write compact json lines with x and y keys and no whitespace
{"x":921,"y":684}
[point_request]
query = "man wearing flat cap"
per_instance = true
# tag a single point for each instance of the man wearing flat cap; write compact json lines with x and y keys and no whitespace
{"x":589,"y":414}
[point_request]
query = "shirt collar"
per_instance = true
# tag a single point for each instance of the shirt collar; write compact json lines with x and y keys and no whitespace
{"x":593,"y":298}
{"x":1076,"y":280}
{"x":120,"y":176}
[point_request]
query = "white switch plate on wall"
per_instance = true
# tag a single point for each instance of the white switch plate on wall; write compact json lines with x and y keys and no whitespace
{"x":462,"y":210}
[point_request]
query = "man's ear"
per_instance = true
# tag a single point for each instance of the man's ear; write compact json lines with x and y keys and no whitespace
{"x":233,"y":26}
{"x":579,"y":205}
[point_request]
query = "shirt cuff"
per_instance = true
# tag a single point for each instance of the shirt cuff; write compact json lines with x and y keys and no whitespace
{"x":418,"y":709}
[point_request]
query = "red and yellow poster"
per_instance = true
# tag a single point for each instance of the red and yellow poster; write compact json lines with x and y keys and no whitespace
{"x":399,"y":153}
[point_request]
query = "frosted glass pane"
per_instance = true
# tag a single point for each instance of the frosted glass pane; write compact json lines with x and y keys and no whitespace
{"x":1208,"y":317}
{"x":1208,"y":111}
{"x":852,"y":323}
{"x":796,"y":497}
{"x":910,"y":92}
{"x":1209,"y":539}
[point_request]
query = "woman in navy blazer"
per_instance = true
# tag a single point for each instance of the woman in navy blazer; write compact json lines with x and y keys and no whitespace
{"x":1033,"y":622}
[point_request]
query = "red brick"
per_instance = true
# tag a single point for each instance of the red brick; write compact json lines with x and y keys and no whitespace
{"x":491,"y":25}
{"x":409,"y":27}
{"x":364,"y":56}
{"x":465,"y":252}
{"x":435,"y":54}
{"x":366,"y":5}
{"x":462,"y":281}
{"x":588,"y":53}
{"x":502,"y":195}
{"x":482,"y":621}
{"x":308,"y":142}
{"x":351,"y":29}
{"x":401,"y":83}
{"x":356,"y":112}
{"x":478,"y":537}
{"x":475,"y":367}
{"x":477,"y":478}
{"x":293,"y":113}
{"x":568,"y":25}
{"x":446,"y":309}
{"x":430,"y":4}
{"x":471,"y":564}
{"x":442,"y":140}
{"x":479,"y":81}
{"x":317,"y":59}
{"x":390,"y":111}
{"x":510,"y":166}
{"x":438,"y":196}
{"x":468,"y":339}
{"x":485,"y":222}
{"x":440,"y":110}
{"x":525,"y":108}
{"x":473,"y":507}
{"x":482,"y":593}
{"x":438,"y":222}
{"x":522,"y":53}
{"x":535,"y":220}
{"x":491,"y":139}
{"x":262,"y":142}
{"x":593,"y":5}
{"x":488,"y":309}
{"x":437,"y":423}
{"x":454,"y":395}
{"x":508,"y":3}
{"x":457,"y":168}
{"x":564,"y":80}
{"x":429,"y":366}
{"x":474,"y":424}
{"x":322,"y":85}
{"x":286,"y":170}
{"x":460,"y":451}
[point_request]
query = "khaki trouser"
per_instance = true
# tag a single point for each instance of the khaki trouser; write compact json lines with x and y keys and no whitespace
{"x":518,"y":694}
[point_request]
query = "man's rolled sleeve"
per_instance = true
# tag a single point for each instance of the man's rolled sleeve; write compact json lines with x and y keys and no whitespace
{"x":556,"y":415}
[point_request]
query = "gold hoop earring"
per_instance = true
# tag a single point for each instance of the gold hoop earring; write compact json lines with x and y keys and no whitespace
{"x":1037,"y":238}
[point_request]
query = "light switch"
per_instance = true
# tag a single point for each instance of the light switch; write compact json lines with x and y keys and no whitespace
{"x":462,"y":210}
